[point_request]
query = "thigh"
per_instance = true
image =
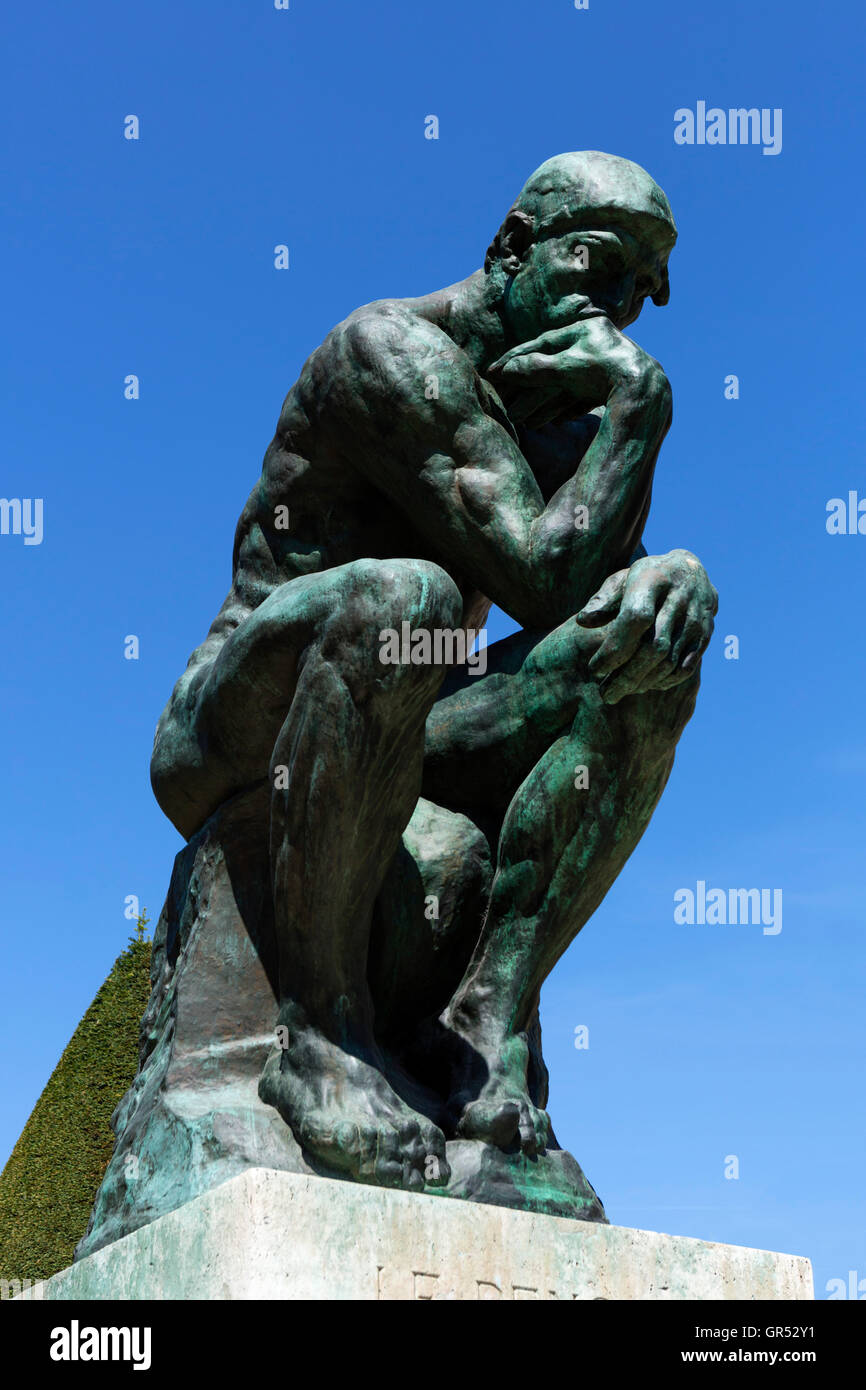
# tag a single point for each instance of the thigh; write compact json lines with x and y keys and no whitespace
{"x":218,"y":731}
{"x":485,"y":733}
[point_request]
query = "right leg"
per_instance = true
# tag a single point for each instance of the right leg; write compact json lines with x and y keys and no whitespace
{"x":352,"y":751}
{"x":299,"y":694}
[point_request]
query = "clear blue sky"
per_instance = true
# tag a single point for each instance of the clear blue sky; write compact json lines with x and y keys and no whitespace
{"x":155,"y":257}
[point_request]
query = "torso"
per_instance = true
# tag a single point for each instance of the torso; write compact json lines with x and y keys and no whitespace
{"x":333,"y":514}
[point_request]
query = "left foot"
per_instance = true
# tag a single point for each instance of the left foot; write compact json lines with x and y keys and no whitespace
{"x":489,"y":1097}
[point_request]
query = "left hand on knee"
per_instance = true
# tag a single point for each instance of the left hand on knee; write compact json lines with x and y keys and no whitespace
{"x":659,"y":618}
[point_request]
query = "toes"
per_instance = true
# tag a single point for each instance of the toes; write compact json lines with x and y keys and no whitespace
{"x":409,"y":1133}
{"x":385,"y":1172}
{"x":534,"y":1130}
{"x":394,"y":1154}
{"x":405,"y":1157}
{"x":436,"y":1169}
{"x":383,"y":1157}
{"x":498,"y":1123}
{"x":504,"y":1124}
{"x":528,"y":1136}
{"x":412,"y":1179}
{"x":377,"y":1140}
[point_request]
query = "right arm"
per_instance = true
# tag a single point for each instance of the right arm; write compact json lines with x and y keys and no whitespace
{"x":404,"y":409}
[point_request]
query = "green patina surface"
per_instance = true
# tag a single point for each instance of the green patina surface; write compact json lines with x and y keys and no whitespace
{"x":435,"y":829}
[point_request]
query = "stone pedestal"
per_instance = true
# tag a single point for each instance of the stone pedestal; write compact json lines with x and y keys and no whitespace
{"x":268,"y":1234}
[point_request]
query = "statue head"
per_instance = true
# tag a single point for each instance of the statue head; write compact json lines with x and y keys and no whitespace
{"x":590,"y":233}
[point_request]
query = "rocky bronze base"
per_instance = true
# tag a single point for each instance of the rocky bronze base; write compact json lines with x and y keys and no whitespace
{"x":193,"y":1118}
{"x":551,"y":1183}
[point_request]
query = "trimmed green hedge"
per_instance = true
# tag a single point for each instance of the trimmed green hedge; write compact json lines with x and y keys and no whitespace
{"x":48,"y":1186}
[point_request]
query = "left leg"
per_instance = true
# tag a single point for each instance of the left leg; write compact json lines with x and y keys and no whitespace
{"x":518,"y":737}
{"x":483,"y":736}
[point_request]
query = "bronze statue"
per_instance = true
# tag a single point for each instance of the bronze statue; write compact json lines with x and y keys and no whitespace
{"x":437,"y":836}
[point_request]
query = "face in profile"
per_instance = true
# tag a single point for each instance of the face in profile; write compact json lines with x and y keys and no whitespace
{"x":606,"y":267}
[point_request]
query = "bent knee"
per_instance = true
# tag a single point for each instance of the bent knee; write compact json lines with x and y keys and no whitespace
{"x":384,"y":594}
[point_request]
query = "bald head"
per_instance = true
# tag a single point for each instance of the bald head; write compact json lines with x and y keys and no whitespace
{"x":588,"y":188}
{"x":569,"y":186}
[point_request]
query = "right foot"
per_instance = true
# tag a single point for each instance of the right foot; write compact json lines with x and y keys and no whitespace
{"x":342,"y":1112}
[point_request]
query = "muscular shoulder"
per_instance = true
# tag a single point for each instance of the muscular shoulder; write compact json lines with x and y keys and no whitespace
{"x":387,"y":352}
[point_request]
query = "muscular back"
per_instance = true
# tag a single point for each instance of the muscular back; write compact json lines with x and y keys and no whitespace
{"x":313,"y":507}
